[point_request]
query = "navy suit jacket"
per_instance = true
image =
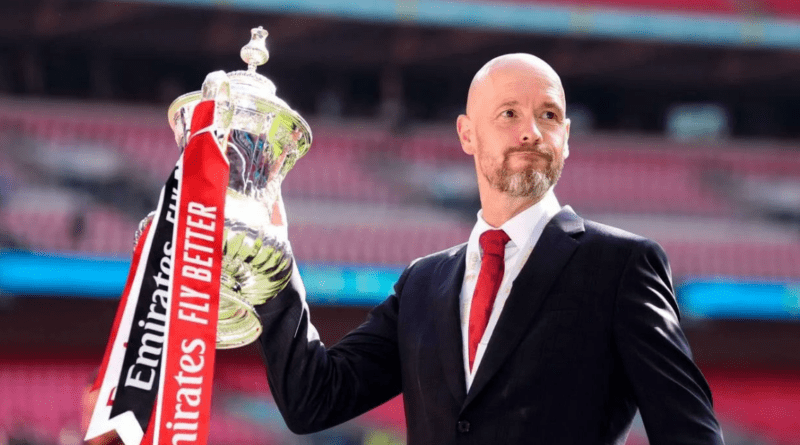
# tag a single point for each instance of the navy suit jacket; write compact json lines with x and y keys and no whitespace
{"x":589,"y":333}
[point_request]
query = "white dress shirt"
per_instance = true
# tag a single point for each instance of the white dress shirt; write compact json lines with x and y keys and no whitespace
{"x":524,"y":230}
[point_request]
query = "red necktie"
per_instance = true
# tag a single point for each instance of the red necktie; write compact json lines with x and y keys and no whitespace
{"x":493,"y":243}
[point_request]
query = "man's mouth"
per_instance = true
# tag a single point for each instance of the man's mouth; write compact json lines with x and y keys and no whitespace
{"x":526,"y":152}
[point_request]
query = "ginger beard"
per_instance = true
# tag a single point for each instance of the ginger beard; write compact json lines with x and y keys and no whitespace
{"x":528,"y":181}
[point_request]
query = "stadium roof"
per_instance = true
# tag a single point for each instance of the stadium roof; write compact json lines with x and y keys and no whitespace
{"x":775,"y":24}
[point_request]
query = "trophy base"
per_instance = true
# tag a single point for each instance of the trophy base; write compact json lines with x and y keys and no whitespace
{"x":238,"y":324}
{"x":255,"y":266}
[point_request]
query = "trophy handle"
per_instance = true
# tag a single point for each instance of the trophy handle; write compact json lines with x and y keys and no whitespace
{"x":217,"y":87}
{"x":143,"y":225}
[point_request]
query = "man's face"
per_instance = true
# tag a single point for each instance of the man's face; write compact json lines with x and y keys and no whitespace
{"x":518,"y":131}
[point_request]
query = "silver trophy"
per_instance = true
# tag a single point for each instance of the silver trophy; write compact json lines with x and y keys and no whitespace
{"x":265,"y":138}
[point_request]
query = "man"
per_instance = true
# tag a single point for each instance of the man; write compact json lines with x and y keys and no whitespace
{"x":551,"y":331}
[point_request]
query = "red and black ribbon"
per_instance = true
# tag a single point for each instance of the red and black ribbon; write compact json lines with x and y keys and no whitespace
{"x":155,"y":381}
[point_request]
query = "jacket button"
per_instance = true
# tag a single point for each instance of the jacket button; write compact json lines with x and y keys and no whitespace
{"x":463,"y":426}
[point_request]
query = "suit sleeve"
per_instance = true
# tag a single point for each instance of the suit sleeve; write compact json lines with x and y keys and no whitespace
{"x":672,"y":394}
{"x":316,"y":387}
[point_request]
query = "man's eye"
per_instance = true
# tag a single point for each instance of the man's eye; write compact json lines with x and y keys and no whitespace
{"x":549,"y":115}
{"x":508,"y":113}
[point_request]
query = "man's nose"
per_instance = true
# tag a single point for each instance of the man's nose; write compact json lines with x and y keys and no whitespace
{"x":531,"y":133}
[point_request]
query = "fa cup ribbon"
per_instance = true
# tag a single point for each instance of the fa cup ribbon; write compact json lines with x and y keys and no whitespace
{"x":155,"y":382}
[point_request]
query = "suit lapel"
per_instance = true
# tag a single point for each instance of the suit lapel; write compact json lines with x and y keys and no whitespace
{"x":450,"y":278}
{"x":551,"y":253}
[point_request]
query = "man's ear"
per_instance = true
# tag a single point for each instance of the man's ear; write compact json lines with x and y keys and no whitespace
{"x":566,"y":139}
{"x":465,"y":134}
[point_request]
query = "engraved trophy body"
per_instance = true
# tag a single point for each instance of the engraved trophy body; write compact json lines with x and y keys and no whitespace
{"x":265,"y":138}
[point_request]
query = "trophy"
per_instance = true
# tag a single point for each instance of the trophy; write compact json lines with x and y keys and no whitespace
{"x":265,"y":138}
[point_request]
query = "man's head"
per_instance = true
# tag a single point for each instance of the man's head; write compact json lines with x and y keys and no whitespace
{"x":515,"y":126}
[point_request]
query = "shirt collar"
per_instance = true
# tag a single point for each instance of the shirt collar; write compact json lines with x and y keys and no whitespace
{"x":521,"y":226}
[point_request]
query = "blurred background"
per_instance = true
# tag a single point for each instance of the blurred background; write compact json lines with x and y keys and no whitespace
{"x":685,"y":128}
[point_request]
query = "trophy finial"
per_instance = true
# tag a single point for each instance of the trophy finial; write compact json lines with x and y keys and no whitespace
{"x":255,"y":53}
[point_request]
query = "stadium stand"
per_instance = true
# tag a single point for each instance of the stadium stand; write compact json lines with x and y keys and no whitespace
{"x":372,"y":245}
{"x":50,"y":393}
{"x":94,"y":230}
{"x":764,"y":400}
{"x":619,"y":174}
{"x":605,"y":174}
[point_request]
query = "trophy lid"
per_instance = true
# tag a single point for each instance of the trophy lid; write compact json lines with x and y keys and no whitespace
{"x":253,"y":98}
{"x":254,"y":55}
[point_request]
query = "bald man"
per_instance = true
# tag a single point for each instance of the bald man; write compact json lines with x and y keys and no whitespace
{"x":543,"y":328}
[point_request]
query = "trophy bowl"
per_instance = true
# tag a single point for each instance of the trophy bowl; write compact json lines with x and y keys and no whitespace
{"x":262,"y":138}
